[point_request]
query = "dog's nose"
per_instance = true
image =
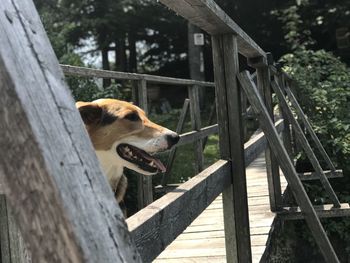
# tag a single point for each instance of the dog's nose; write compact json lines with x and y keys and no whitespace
{"x":172,"y":139}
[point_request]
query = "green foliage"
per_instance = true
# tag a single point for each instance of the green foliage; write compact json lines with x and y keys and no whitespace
{"x":324,"y":91}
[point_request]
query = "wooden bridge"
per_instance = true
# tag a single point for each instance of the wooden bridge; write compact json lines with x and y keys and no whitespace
{"x":62,"y":203}
{"x":204,"y":239}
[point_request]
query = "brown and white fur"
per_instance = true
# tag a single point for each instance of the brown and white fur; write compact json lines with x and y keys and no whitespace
{"x":123,"y":136}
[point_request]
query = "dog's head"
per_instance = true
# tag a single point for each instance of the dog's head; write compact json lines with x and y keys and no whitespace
{"x":125,"y":135}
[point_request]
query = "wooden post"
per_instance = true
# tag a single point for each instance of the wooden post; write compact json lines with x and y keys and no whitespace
{"x":288,"y":168}
{"x":12,"y":245}
{"x":272,"y":169}
{"x":245,"y":114}
{"x":60,"y":199}
{"x":235,"y":204}
{"x":286,"y":134}
{"x":196,"y":126}
{"x":144,"y":186}
{"x":172,"y":154}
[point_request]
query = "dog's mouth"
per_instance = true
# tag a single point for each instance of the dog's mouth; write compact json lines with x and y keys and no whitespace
{"x":140,"y":158}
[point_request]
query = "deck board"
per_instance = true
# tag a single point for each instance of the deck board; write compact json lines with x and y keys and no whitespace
{"x":204,"y":240}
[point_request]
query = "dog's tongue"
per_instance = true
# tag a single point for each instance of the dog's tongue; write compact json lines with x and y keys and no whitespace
{"x":156,"y":161}
{"x":160,"y":165}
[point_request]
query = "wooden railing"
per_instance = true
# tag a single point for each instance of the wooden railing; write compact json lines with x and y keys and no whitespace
{"x":139,"y":91}
{"x":156,"y":226}
{"x":62,"y":202}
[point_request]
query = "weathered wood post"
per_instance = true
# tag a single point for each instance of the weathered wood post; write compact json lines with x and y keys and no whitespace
{"x":196,"y":125}
{"x":272,"y":169}
{"x":245,"y":115}
{"x":286,"y":134}
{"x":144,"y":185}
{"x":60,"y":199}
{"x":12,"y":247}
{"x":235,"y":203}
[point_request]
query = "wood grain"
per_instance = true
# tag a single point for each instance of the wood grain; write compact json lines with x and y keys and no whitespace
{"x":61,"y":201}
{"x":235,"y":204}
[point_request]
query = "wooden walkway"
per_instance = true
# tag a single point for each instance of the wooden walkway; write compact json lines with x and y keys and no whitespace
{"x":204,"y":240}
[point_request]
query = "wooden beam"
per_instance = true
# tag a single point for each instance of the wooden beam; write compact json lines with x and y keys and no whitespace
{"x":157,"y":225}
{"x":191,"y":136}
{"x":235,"y":203}
{"x":272,"y":169}
{"x":323,"y":211}
{"x":62,"y":202}
{"x":314,"y":176}
{"x":196,"y":124}
{"x":304,"y":143}
{"x":16,"y":251}
{"x":207,"y":15}
{"x":144,"y":187}
{"x":287,"y":167}
{"x":172,"y":153}
{"x":108,"y":74}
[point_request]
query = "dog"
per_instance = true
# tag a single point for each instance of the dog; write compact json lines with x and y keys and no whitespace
{"x":123,"y":136}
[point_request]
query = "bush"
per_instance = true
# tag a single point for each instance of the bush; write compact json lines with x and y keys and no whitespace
{"x":324,"y":88}
{"x":324,"y":94}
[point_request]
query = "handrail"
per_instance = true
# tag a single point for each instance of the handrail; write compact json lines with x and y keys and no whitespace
{"x":207,"y":15}
{"x":153,"y":227}
{"x":99,"y":73}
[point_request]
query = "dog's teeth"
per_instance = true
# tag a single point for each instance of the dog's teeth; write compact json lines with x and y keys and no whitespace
{"x":151,"y":163}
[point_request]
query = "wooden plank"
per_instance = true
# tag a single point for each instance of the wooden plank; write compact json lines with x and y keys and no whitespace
{"x":288,"y":168}
{"x":62,"y":202}
{"x":305,"y":144}
{"x":287,"y":132}
{"x":191,"y":136}
{"x":314,"y":176}
{"x":303,"y":118}
{"x":196,"y":124}
{"x":144,"y":187}
{"x":4,"y":231}
{"x":323,"y":211}
{"x":18,"y":251}
{"x":172,"y":153}
{"x":98,"y":73}
{"x":207,"y":15}
{"x":272,"y":169}
{"x":153,"y":228}
{"x":226,"y":66}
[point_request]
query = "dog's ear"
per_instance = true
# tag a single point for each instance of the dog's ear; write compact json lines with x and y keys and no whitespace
{"x":91,"y":113}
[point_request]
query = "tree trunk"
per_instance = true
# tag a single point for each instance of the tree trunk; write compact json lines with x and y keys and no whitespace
{"x":132,"y":56}
{"x":105,"y":65}
{"x":120,"y":57}
{"x":196,"y":60}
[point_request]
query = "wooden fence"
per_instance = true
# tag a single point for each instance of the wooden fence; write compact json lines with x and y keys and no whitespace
{"x":139,"y":91}
{"x":62,"y":202}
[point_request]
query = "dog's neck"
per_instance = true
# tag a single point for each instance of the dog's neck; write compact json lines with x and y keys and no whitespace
{"x":111,"y":167}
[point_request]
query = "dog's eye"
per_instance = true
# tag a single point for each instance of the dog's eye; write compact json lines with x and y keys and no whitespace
{"x":133,"y":116}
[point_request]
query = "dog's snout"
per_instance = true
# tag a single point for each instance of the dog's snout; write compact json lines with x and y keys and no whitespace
{"x":172,"y":139}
